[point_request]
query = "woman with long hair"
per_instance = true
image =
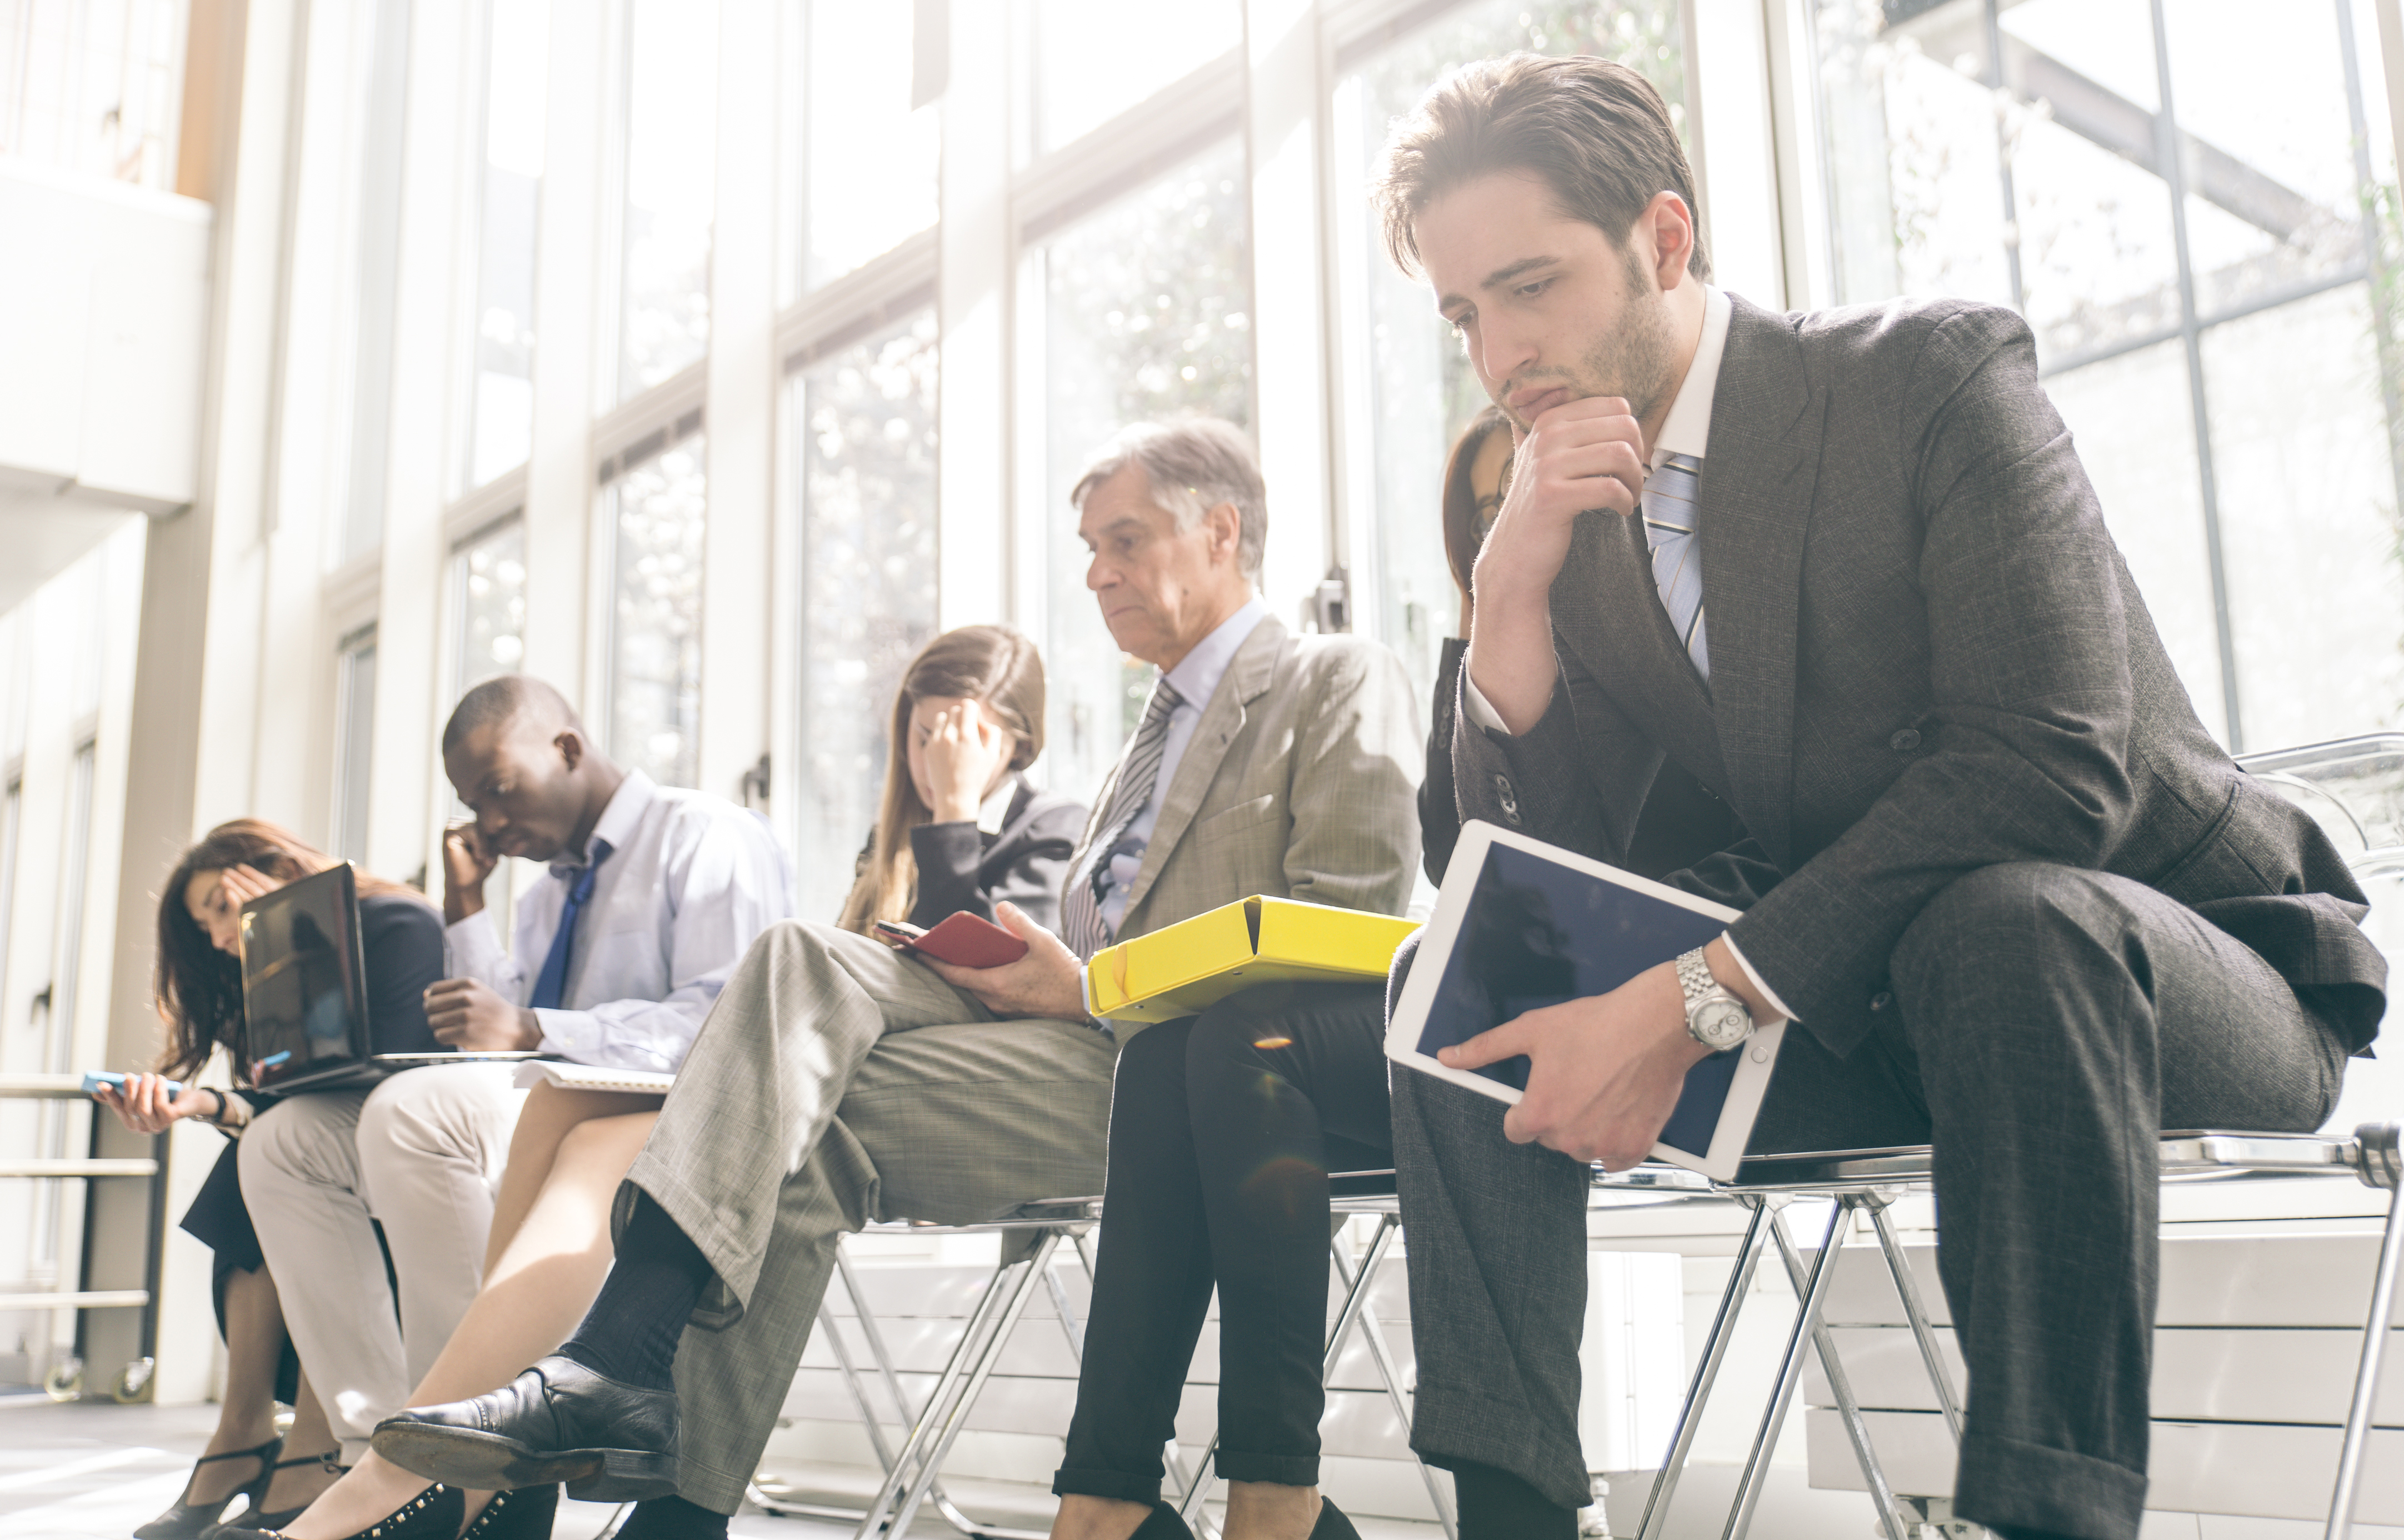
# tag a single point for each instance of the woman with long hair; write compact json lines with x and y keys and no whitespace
{"x":199,"y":994}
{"x":959,"y":828}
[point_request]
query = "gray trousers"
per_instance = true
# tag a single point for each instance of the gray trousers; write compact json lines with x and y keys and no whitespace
{"x":2044,"y":1025}
{"x":836,"y":1082}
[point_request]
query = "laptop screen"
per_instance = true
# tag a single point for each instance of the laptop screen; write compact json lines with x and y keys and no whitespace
{"x":302,"y":995}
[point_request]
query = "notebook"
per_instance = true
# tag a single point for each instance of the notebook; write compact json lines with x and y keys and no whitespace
{"x":1521,"y":925}
{"x":591,"y":1077}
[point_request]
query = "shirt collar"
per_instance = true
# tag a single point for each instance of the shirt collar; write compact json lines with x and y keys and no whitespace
{"x":618,"y":821}
{"x":1688,"y":429}
{"x":995,"y":812}
{"x":1195,"y":678}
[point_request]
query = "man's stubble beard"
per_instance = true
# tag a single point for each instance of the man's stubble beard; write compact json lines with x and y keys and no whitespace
{"x":1632,"y":360}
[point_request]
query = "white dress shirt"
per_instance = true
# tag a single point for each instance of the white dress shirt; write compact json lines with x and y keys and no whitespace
{"x":1686,"y":430}
{"x":1195,"y":679}
{"x":688,"y":881}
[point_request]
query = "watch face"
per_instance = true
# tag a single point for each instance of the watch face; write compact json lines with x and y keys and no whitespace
{"x":1722,"y":1024}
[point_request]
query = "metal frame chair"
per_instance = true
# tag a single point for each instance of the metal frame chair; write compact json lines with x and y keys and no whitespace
{"x":1866,"y":1181}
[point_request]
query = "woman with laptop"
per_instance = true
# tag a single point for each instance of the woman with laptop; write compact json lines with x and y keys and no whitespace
{"x":200,"y":994}
{"x":959,"y":828}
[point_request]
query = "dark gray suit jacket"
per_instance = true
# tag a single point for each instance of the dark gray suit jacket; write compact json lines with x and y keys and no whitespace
{"x":1927,"y":657}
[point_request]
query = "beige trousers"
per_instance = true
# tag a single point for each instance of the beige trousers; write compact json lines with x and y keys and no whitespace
{"x":837,"y":1082}
{"x":419,"y":1153}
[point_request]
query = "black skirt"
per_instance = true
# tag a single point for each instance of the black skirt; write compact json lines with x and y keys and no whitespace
{"x":219,"y":1219}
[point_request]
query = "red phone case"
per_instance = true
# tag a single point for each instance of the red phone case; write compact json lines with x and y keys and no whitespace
{"x":965,"y":941}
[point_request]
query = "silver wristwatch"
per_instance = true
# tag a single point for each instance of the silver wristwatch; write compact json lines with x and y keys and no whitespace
{"x":1716,"y":1018}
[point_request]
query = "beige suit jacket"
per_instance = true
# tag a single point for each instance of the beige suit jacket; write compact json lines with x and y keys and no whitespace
{"x":1300,"y":782}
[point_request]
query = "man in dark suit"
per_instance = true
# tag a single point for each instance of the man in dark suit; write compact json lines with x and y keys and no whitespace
{"x":1846,"y":569}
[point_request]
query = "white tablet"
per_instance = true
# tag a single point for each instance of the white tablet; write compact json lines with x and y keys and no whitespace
{"x":1521,"y":925}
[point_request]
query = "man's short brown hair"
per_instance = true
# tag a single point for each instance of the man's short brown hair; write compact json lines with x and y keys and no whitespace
{"x":1595,"y":131}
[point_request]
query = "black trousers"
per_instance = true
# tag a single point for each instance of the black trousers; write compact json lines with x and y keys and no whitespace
{"x":1223,"y":1129}
{"x":2045,"y":1023}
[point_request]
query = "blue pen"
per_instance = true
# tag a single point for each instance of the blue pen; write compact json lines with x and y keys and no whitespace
{"x":271,"y":1060}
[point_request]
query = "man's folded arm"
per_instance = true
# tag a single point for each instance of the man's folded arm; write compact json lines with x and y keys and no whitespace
{"x":472,"y":949}
{"x":1355,"y":840}
{"x":2031,"y":700}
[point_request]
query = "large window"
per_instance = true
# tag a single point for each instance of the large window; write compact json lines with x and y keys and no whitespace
{"x":93,"y":88}
{"x":500,"y":391}
{"x":1147,"y":314}
{"x":1094,"y":59}
{"x":671,"y":148}
{"x":1410,"y":391}
{"x":867,"y":72}
{"x":488,"y":580}
{"x":2205,"y":260}
{"x":863,"y":453}
{"x":654,"y":509}
{"x":355,"y":676}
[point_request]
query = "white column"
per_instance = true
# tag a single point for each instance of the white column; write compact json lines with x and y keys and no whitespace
{"x":738,"y":556}
{"x":972,"y":295}
{"x":1290,"y":332}
{"x":426,"y":372}
{"x":570,"y":288}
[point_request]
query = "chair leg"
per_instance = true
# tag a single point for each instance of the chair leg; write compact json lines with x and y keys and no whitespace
{"x":1907,"y":1285}
{"x":2379,"y":1168}
{"x":1690,"y":1417}
{"x":1857,"y":1433}
{"x":922,"y":1428}
{"x":1790,"y":1371}
{"x":990,"y":1354}
{"x":876,"y":1336}
{"x":1382,"y":1354}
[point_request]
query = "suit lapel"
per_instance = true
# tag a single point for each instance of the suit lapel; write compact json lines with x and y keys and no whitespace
{"x":1246,"y":680}
{"x":1609,"y":613}
{"x":1754,"y":507}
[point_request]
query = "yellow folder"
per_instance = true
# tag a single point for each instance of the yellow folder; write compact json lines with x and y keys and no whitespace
{"x":1177,"y":971}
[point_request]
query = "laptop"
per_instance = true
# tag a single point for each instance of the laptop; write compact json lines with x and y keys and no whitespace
{"x":304,"y":995}
{"x":1521,"y":925}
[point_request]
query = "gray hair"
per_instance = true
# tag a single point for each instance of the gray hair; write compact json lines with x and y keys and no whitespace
{"x":1191,"y":465}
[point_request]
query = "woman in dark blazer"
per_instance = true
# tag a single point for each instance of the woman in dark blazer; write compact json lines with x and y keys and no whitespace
{"x":199,"y":992}
{"x":961,"y":829}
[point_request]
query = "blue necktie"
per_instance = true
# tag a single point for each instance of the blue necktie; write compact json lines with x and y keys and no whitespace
{"x":551,"y":983}
{"x":1669,"y":525}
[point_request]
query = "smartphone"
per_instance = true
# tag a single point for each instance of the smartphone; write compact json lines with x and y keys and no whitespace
{"x":93,"y":1080}
{"x":962,"y":939}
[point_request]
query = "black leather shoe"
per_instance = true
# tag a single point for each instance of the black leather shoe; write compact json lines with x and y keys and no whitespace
{"x":558,"y":1422}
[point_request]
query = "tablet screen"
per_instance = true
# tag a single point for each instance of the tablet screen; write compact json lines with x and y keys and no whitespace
{"x":1536,"y":933}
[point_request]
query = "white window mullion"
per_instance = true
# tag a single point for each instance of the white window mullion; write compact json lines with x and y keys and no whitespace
{"x":973,"y":312}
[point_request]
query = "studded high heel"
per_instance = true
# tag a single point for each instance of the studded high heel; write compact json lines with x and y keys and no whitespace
{"x":434,"y":1514}
{"x":520,"y":1513}
{"x":188,"y":1521}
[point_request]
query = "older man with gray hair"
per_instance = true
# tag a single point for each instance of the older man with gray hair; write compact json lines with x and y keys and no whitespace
{"x":838,"y":1082}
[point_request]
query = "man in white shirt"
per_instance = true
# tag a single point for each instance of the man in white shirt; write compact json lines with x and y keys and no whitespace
{"x":652,"y":896}
{"x":840,"y":1080}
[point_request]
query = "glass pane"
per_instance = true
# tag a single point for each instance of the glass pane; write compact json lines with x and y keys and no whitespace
{"x":1148,"y":306}
{"x":865,"y":439}
{"x":2308,"y":492}
{"x":517,"y":78}
{"x":658,"y":508}
{"x":671,"y":178}
{"x":357,"y":751}
{"x":93,"y":89}
{"x":491,"y":598}
{"x":1094,"y":59}
{"x":383,"y":88}
{"x":2272,"y":197}
{"x":1419,"y":389}
{"x":2153,"y":502}
{"x":854,"y":206}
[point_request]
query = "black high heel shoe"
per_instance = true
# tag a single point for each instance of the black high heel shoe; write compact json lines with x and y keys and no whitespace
{"x":1163,"y":1522}
{"x":520,"y":1513}
{"x":189,"y":1520}
{"x":254,"y":1520}
{"x":1331,"y":1524}
{"x":434,"y":1514}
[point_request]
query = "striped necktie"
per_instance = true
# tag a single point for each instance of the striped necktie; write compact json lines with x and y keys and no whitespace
{"x":1669,"y":525}
{"x":1081,"y":908}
